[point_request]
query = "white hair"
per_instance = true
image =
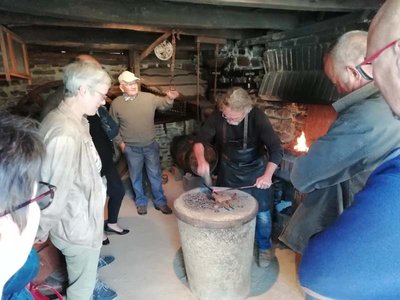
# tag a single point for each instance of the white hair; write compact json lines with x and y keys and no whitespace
{"x":350,"y":49}
{"x":83,"y":73}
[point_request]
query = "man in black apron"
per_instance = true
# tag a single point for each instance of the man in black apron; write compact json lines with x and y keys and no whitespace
{"x":249,"y":153}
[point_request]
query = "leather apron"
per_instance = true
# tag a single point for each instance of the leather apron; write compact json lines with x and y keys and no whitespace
{"x":241,"y":165}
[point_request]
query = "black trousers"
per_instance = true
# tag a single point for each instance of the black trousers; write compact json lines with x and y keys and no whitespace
{"x":116,"y":192}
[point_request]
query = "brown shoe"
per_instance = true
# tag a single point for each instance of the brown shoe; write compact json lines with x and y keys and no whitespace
{"x":142,"y":210}
{"x":164,"y":209}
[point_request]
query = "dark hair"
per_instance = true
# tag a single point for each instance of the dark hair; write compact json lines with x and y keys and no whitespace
{"x":21,"y":155}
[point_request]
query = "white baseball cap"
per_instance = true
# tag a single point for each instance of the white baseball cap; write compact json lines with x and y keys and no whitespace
{"x":127,"y":77}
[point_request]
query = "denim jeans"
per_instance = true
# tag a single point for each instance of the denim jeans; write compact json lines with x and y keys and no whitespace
{"x":15,"y":289}
{"x":147,"y":156}
{"x":263,"y":230}
{"x":263,"y":217}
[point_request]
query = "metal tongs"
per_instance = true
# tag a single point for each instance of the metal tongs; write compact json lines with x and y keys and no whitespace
{"x":242,"y":187}
{"x":236,"y":188}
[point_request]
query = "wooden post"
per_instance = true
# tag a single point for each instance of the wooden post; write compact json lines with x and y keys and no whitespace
{"x":134,"y":62}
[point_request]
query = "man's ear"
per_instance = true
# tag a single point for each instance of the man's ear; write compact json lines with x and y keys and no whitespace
{"x":353,"y":73}
{"x":122,"y":90}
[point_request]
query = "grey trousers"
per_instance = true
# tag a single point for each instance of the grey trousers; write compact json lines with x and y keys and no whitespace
{"x":81,"y":267}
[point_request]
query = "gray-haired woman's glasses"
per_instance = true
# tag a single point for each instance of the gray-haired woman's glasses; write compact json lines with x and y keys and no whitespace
{"x":44,"y":198}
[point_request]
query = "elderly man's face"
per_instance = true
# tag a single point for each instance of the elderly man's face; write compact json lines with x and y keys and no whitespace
{"x":233,"y":117}
{"x":130,"y":88}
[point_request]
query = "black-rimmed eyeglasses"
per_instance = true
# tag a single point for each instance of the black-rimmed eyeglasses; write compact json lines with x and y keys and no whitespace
{"x":44,"y":199}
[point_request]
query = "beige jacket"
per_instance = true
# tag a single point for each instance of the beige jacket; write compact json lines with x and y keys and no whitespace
{"x":76,"y":215}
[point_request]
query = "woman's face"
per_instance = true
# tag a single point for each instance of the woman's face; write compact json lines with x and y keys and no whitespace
{"x":95,"y":97}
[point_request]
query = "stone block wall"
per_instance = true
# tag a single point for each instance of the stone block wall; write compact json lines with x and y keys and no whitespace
{"x":165,"y":134}
{"x":242,"y":58}
{"x":287,"y":119}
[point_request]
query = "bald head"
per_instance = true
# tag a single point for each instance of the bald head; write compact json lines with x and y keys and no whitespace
{"x":340,"y":61}
{"x":385,"y":28}
{"x":87,"y":58}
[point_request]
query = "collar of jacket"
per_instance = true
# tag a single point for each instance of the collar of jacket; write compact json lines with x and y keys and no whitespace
{"x":367,"y":91}
{"x":66,"y":110}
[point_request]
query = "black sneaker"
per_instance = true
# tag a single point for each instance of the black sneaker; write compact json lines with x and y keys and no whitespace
{"x":164,"y":209}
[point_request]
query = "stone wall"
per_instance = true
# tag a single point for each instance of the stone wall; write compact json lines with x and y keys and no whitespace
{"x":165,"y":134}
{"x":287,"y":119}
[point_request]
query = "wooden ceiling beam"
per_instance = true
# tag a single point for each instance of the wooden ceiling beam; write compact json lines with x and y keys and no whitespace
{"x":305,"y":5}
{"x":100,"y":39}
{"x":17,"y":20}
{"x":157,"y":14}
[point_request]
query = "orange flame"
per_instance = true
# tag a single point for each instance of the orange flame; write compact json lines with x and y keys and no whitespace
{"x":301,"y":145}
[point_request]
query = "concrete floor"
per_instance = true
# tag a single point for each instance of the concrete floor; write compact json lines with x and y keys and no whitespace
{"x":145,"y":259}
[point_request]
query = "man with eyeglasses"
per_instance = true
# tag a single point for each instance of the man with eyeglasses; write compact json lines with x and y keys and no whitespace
{"x":21,"y":156}
{"x":358,"y":256}
{"x":338,"y":164}
{"x":134,"y":113}
{"x":249,"y":153}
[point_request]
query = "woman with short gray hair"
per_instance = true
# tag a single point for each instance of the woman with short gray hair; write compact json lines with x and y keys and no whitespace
{"x":74,"y":222}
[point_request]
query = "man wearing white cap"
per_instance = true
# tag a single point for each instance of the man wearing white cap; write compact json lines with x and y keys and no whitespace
{"x":134,"y":112}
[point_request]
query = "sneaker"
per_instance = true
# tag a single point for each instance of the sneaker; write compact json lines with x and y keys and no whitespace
{"x":265,"y":257}
{"x":105,"y":261}
{"x":103,"y":292}
{"x":141,"y":210}
{"x":164,"y":209}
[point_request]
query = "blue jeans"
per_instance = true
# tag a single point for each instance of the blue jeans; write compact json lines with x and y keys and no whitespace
{"x":263,"y":218}
{"x":15,"y":289}
{"x":147,"y":156}
{"x":263,"y":230}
